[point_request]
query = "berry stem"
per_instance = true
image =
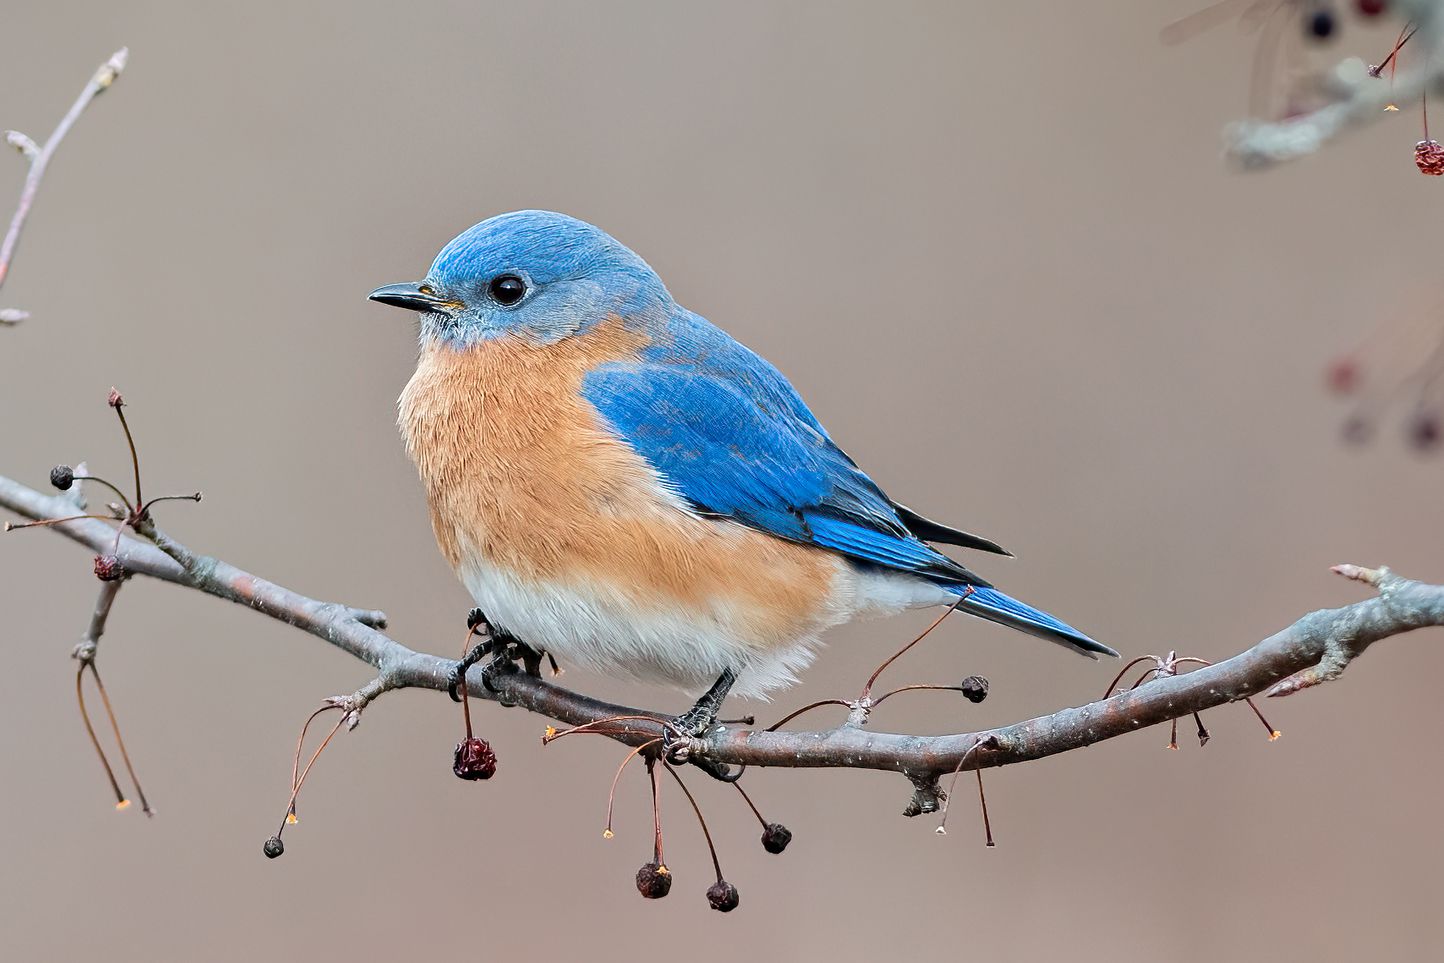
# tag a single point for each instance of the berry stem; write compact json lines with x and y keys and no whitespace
{"x":134,"y":455}
{"x":296,"y":786}
{"x":124,"y":498}
{"x":656,"y":812}
{"x":706,"y":833}
{"x":612,"y":795}
{"x":120,"y":743}
{"x":751,"y":805}
{"x":867,"y":689}
{"x":120,"y":800}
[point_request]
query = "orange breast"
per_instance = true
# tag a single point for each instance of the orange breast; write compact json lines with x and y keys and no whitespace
{"x":521,"y":475}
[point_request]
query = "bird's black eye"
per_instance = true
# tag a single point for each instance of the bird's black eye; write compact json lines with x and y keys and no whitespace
{"x":507,"y":289}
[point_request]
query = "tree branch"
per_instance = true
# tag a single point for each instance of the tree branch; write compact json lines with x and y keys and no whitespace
{"x":1315,"y":649}
{"x":39,"y":158}
{"x":1359,"y":96}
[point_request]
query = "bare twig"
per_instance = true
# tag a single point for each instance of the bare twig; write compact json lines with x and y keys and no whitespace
{"x":1313,"y":650}
{"x":39,"y":158}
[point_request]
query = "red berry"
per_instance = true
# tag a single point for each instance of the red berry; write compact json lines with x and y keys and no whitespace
{"x":1429,"y":157}
{"x":1372,"y":8}
{"x":474,"y":759}
{"x":108,"y":568}
{"x":1344,"y":376}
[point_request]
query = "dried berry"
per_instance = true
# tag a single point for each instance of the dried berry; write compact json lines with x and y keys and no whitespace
{"x":62,"y":477}
{"x":975,"y":688}
{"x":1320,"y":23}
{"x":723,"y":896}
{"x":273,"y":847}
{"x":1424,"y":432}
{"x":1429,"y":157}
{"x":474,"y":759}
{"x":108,"y":568}
{"x":654,"y":880}
{"x":775,"y":837}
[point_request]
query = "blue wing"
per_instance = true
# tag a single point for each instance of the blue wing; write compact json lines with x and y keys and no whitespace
{"x":727,"y":432}
{"x":730,"y":435}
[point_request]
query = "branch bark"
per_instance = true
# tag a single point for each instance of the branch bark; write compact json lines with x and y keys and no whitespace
{"x":1315,"y":649}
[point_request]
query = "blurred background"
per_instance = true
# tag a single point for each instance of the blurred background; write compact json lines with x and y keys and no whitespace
{"x":994,"y":245}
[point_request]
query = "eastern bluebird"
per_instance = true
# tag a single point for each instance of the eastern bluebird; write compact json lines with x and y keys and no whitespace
{"x":623,"y":486}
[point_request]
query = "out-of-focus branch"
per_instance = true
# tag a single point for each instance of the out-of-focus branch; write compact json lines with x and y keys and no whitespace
{"x":1359,"y":96}
{"x":39,"y":158}
{"x":1315,"y":649}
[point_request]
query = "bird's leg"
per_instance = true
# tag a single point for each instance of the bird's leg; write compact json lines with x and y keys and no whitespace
{"x":703,"y":715}
{"x":697,"y":720}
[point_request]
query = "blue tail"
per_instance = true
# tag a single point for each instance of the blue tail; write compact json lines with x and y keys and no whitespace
{"x":994,"y":606}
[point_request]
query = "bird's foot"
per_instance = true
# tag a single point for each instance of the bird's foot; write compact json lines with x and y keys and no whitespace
{"x":505,"y":649}
{"x":696,"y":722}
{"x":457,"y":678}
{"x":677,"y":746}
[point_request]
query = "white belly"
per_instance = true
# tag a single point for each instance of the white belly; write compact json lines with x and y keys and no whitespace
{"x":590,"y":627}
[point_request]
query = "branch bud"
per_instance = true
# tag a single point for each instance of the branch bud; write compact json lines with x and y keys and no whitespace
{"x":23,"y":144}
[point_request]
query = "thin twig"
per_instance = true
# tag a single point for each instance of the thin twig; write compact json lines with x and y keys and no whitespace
{"x":39,"y":158}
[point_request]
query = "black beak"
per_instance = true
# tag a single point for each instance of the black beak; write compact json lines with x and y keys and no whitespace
{"x":412,"y":297}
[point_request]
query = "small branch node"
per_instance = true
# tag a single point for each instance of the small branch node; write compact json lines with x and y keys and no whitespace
{"x":928,"y":795}
{"x":22,"y":142}
{"x":1357,"y":573}
{"x":858,"y":711}
{"x":111,"y":69}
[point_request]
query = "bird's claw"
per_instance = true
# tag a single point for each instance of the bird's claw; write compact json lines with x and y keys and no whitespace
{"x":500,"y":664}
{"x":457,"y":678}
{"x":505,"y":650}
{"x":677,"y":749}
{"x":677,"y":745}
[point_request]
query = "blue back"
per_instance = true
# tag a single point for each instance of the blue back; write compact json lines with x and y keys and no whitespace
{"x":731,"y":436}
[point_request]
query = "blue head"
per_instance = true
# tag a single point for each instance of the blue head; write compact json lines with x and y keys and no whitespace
{"x":538,"y":275}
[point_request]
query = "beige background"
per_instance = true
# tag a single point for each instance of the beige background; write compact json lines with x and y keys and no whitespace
{"x":995,"y":247}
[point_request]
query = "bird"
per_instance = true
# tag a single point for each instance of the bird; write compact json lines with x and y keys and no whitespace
{"x":622,"y":486}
